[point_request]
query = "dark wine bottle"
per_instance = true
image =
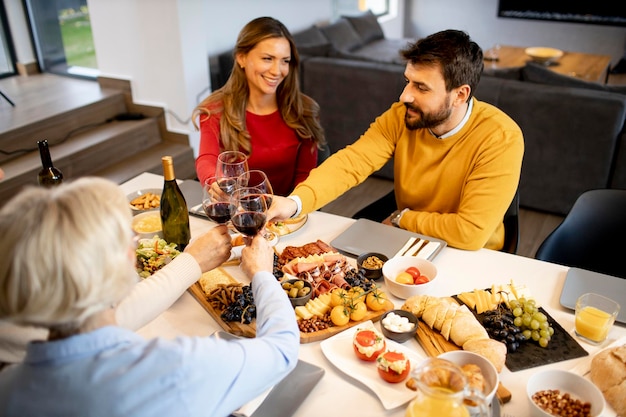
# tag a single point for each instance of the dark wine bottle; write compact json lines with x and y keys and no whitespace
{"x":174,"y":214}
{"x":49,"y":175}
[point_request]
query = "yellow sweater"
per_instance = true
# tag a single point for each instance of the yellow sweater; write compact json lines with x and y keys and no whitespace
{"x":457,"y":189}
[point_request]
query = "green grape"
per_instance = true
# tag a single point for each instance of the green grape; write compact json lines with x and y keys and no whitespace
{"x":544,"y":334}
{"x":543,"y":342}
{"x":543,"y":325}
{"x":527,"y":334}
{"x":517,"y":321}
{"x":534,"y":335}
{"x":526,"y":319}
{"x":517,"y":311}
{"x":551,"y":331}
{"x":534,"y":324}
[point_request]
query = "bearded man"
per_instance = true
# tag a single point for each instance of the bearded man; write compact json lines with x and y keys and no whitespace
{"x":457,"y":160}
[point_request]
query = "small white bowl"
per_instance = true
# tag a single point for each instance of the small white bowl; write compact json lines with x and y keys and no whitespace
{"x":564,"y":381}
{"x":139,"y":193}
{"x":148,"y":224}
{"x":543,"y":55}
{"x":463,"y":357}
{"x":394,"y":266}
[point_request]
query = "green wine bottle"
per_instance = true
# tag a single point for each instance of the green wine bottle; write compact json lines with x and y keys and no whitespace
{"x":48,"y":176}
{"x":174,"y":214}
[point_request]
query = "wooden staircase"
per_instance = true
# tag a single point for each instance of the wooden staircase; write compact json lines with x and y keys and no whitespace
{"x":93,"y":128}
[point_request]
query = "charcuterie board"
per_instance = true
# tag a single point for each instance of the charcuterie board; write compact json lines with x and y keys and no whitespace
{"x":562,"y":347}
{"x":249,"y":330}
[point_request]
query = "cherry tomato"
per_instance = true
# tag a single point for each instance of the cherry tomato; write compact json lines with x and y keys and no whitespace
{"x":413,"y":271}
{"x":376,"y":300}
{"x":404,"y":278}
{"x":421,"y":280}
{"x":389,"y":374}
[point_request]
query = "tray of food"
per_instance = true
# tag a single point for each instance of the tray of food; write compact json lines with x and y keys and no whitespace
{"x":487,"y":320}
{"x":340,"y":298}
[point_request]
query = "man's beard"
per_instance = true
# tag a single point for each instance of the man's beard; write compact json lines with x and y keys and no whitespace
{"x":427,"y":120}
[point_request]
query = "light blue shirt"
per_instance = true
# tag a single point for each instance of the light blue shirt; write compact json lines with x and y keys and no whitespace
{"x":115,"y":372}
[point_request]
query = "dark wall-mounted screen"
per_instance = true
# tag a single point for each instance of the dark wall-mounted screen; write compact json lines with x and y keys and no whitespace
{"x":597,"y":12}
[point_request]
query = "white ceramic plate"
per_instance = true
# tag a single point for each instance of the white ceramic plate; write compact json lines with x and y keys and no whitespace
{"x":338,"y":350}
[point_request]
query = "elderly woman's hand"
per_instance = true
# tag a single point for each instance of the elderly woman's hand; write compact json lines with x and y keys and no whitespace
{"x":257,"y":256}
{"x":212,"y":248}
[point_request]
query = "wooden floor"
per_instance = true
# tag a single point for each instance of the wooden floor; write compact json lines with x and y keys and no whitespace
{"x":534,"y":225}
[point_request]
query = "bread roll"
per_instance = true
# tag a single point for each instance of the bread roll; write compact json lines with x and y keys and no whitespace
{"x":493,"y":350}
{"x":608,"y":372}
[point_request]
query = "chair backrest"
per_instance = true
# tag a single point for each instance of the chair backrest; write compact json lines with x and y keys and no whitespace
{"x":592,"y":234}
{"x":511,"y":226}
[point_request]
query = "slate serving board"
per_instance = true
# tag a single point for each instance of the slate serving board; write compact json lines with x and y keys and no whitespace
{"x":562,"y":347}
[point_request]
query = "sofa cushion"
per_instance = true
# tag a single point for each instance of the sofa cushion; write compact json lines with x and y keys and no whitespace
{"x":342,"y":35}
{"x":367,"y":26}
{"x":570,"y":137}
{"x":511,"y":73}
{"x":382,"y":50}
{"x":540,"y":74}
{"x":312,"y":42}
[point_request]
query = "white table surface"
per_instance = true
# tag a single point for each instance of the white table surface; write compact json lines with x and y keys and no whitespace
{"x":458,"y":270}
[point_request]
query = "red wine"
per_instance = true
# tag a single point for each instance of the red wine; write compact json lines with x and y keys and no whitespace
{"x":228,"y":185}
{"x":248,"y":222}
{"x":253,"y":202}
{"x":219,"y":212}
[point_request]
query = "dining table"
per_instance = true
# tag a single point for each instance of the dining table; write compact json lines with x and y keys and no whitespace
{"x":339,"y":394}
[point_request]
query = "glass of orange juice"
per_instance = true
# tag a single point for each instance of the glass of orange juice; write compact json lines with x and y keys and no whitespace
{"x":595,"y":314}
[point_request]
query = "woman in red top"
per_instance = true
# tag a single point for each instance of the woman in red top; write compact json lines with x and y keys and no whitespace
{"x":261,"y":111}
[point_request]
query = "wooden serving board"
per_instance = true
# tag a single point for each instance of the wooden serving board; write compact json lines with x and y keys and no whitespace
{"x":249,"y":330}
{"x":434,"y":344}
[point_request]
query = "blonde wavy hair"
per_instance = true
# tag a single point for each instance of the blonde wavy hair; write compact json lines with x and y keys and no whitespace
{"x":299,"y":111}
{"x":65,"y":253}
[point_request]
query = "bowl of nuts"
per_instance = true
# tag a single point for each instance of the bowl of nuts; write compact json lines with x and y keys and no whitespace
{"x":298,"y":291}
{"x":371,"y":263}
{"x":552,"y":391}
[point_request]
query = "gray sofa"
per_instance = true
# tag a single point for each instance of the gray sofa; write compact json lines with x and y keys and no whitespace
{"x":573,"y":130}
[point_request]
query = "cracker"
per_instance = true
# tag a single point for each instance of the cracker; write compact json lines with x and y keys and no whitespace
{"x":213,"y":278}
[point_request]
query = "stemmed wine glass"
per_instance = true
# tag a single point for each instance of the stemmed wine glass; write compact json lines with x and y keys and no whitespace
{"x":217,"y":204}
{"x":230,"y":165}
{"x":258,"y":179}
{"x":251,"y":214}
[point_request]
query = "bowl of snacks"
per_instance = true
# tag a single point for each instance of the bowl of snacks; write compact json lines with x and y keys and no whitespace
{"x":558,"y":389}
{"x":406,"y":276}
{"x":147,"y":224}
{"x":543,"y":55}
{"x":481,"y":373}
{"x":398,"y":325}
{"x":371,"y":263}
{"x":298,"y":291}
{"x":144,"y":200}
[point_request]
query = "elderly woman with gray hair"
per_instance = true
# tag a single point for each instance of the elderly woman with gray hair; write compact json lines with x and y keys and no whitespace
{"x":68,"y":262}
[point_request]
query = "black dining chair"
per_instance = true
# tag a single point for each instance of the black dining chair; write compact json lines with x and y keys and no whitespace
{"x":591,"y":235}
{"x":511,"y":226}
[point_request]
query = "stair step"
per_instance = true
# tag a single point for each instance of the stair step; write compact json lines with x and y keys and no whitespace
{"x":55,"y":127}
{"x":150,"y":161}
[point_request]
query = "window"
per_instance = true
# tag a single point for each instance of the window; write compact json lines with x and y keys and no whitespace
{"x":7,"y":56}
{"x":63,"y":39}
{"x":348,"y":7}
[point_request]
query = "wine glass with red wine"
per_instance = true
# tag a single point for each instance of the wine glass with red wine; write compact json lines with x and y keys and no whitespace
{"x":250,"y":216}
{"x":258,"y":179}
{"x":217,"y":204}
{"x":230,"y":165}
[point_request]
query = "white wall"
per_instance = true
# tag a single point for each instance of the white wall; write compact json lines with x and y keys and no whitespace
{"x":479,"y":19}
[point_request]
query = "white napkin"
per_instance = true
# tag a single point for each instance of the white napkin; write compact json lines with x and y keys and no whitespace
{"x":428,"y":250}
{"x":406,"y":246}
